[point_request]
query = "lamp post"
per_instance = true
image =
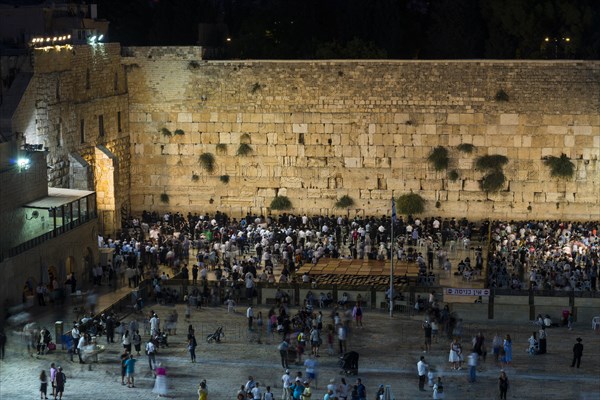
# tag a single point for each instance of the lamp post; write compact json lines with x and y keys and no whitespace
{"x":556,"y":42}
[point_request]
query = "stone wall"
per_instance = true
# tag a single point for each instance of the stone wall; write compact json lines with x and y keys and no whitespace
{"x":322,"y":129}
{"x":18,"y":186}
{"x":74,"y":251}
{"x":77,"y":100}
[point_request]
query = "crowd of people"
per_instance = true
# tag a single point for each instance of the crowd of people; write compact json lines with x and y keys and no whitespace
{"x":232,"y":248}
{"x":544,"y":255}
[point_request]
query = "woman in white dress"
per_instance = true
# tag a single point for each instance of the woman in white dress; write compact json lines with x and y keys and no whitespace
{"x":455,"y":354}
{"x":160,"y":385}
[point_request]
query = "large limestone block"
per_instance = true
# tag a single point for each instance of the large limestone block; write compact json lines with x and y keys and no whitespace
{"x":472,"y":196}
{"x":300,"y":128}
{"x":509,"y":119}
{"x":184,"y":117}
{"x":471,"y":185}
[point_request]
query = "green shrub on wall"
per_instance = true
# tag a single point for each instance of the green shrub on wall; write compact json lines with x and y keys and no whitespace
{"x":280,"y":203}
{"x":164,"y":198}
{"x":344,"y":202}
{"x":165,"y":132}
{"x":207,"y":161}
{"x":221,"y":147}
{"x":179,"y":132}
{"x":466,"y":148}
{"x":410,"y":204}
{"x":493,"y":181}
{"x":453,"y":175}
{"x":561,"y":167}
{"x":439,"y":158}
{"x":501,"y":95}
{"x":195,"y":177}
{"x":244,"y":149}
{"x":494,"y":178}
{"x":224,"y":179}
{"x":493,"y":161}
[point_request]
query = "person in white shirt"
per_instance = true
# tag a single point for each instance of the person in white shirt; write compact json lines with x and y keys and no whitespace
{"x":250,"y":316}
{"x":151,"y":351}
{"x":422,"y":371}
{"x":80,"y":346}
{"x":154,"y":325}
{"x":286,"y":380}
{"x":256,"y":392}
{"x":438,"y":390}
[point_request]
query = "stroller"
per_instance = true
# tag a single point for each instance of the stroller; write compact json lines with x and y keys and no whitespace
{"x":349,"y":363}
{"x":217,"y":336}
{"x":161,"y":339}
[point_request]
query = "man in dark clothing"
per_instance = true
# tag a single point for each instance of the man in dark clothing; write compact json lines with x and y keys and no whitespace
{"x":194,"y":274}
{"x":2,"y":343}
{"x":577,"y":353}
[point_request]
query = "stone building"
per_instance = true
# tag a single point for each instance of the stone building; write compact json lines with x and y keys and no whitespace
{"x":47,"y":234}
{"x":132,"y":123}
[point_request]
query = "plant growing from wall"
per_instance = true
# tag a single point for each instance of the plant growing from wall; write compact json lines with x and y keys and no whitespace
{"x":224,"y":179}
{"x":561,"y":167}
{"x":344,"y":202}
{"x":164,"y":198}
{"x":166,"y":132}
{"x":179,"y":132}
{"x":245,"y":138}
{"x":195,"y":177}
{"x":193,"y":65}
{"x":493,"y":161}
{"x":244,"y":149}
{"x":280,"y":203}
{"x":453,"y":175}
{"x":207,"y":161}
{"x":501,"y":95}
{"x":222,"y":147}
{"x":255,"y":88}
{"x":493,"y":181}
{"x":439,"y":158}
{"x":466,"y":148}
{"x":494,"y":178}
{"x":410,"y":204}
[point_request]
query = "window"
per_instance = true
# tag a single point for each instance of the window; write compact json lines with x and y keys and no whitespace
{"x":101,"y":125}
{"x":88,"y":85}
{"x":82,"y":130}
{"x":57,"y":90}
{"x":116,"y":82}
{"x":119,"y":121}
{"x":58,"y":130}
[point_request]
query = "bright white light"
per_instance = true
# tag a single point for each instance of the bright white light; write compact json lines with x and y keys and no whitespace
{"x":68,"y":36}
{"x":100,"y":37}
{"x":47,"y":39}
{"x":23,"y":163}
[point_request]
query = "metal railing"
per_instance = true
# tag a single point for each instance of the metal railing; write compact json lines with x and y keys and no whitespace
{"x":38,"y":240}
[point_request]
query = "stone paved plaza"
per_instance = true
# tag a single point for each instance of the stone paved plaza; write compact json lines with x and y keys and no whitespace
{"x":389,"y":349}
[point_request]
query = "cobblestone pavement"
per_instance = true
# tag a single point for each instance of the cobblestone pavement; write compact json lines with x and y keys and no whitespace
{"x":389,"y":349}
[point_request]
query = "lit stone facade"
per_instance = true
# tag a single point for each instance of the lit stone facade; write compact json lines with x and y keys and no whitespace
{"x":317,"y":129}
{"x":75,"y":103}
{"x":322,"y":129}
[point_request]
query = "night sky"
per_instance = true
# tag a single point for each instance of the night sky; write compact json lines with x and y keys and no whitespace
{"x":394,"y":29}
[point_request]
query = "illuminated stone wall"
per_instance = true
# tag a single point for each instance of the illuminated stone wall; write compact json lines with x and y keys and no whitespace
{"x":73,"y":93}
{"x":322,"y":129}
